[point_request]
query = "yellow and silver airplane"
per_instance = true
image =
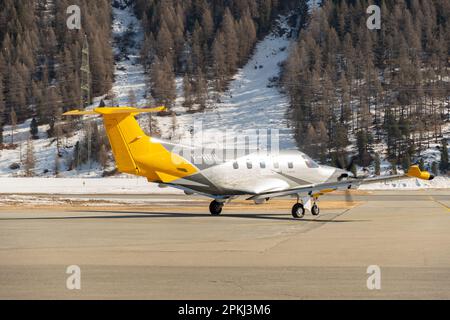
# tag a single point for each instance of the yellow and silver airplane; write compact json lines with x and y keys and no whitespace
{"x":257,"y":176}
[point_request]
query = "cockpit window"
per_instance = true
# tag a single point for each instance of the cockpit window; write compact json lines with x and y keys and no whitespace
{"x":310,"y":163}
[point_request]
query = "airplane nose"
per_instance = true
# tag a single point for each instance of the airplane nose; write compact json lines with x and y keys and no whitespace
{"x":338,"y":175}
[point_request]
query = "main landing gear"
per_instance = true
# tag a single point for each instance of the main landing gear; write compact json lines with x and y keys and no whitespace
{"x":298,"y":210}
{"x":216,"y":208}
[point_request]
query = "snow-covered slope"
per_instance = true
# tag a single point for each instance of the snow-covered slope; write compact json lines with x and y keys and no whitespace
{"x":129,"y":73}
{"x":251,"y":102}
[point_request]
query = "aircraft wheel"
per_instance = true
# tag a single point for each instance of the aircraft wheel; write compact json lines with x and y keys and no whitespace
{"x":315,"y":210}
{"x":215,"y":208}
{"x":298,"y":211}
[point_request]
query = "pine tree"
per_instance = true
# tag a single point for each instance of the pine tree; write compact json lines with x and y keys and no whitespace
{"x":2,"y":105}
{"x":394,"y":167}
{"x":444,"y":164}
{"x":187,"y":91}
{"x":406,"y":162}
{"x":200,"y":89}
{"x":29,"y":159}
{"x":231,"y":41}
{"x":34,"y":129}
{"x":132,"y":100}
{"x":163,"y":87}
{"x":219,"y":67}
{"x":435,"y":168}
{"x":103,"y":156}
{"x":57,"y":164}
{"x":377,"y":165}
{"x":421,"y":164}
{"x":354,"y":170}
{"x":362,"y":143}
{"x":164,"y":42}
{"x":13,"y":118}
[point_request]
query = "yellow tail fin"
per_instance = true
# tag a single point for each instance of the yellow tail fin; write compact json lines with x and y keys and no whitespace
{"x":135,"y":152}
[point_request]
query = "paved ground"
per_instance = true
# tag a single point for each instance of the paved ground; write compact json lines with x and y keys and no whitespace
{"x":172,"y":249}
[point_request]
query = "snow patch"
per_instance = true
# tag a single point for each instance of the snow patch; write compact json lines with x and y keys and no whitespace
{"x":68,"y":186}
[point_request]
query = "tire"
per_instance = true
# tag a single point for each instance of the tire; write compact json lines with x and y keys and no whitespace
{"x":215,"y":208}
{"x":315,"y":211}
{"x":298,"y":211}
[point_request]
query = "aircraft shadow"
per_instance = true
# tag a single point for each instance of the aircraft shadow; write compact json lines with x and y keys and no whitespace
{"x":159,"y":215}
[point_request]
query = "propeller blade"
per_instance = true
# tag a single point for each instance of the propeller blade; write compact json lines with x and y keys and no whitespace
{"x":348,"y":196}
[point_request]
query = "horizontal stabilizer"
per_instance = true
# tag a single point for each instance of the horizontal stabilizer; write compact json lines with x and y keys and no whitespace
{"x":79,"y":113}
{"x":114,"y":110}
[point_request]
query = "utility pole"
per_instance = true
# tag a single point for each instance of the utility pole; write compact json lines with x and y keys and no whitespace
{"x":85,"y":75}
{"x":85,"y":98}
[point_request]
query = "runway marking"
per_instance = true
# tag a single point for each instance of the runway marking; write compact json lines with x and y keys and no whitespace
{"x":307,"y":228}
{"x":440,"y":203}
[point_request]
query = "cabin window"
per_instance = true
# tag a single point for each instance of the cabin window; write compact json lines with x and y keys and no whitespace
{"x":249,"y":165}
{"x":262,"y":164}
{"x":310,"y":163}
{"x":290,"y":165}
{"x":236,"y":165}
{"x":276,"y":165}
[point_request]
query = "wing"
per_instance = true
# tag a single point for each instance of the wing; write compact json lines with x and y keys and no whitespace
{"x":316,"y":190}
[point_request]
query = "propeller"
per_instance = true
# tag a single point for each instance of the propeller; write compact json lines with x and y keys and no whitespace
{"x":348,"y":196}
{"x":346,"y":165}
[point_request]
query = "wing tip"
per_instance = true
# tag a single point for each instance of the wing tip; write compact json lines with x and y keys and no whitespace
{"x":415,"y":172}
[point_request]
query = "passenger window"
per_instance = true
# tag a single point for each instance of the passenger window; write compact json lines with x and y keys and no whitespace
{"x":276,"y":165}
{"x":236,"y":165}
{"x":249,"y":165}
{"x":290,"y":165}
{"x":263,"y":165}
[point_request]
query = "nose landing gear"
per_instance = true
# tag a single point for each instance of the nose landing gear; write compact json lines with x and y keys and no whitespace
{"x":315,"y":210}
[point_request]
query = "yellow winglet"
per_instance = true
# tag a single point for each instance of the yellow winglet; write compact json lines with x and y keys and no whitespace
{"x":415,"y":172}
{"x":114,"y":110}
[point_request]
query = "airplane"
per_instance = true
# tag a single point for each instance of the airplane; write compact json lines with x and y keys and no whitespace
{"x":256,"y":176}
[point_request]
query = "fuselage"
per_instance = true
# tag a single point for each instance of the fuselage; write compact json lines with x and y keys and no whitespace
{"x":235,"y":173}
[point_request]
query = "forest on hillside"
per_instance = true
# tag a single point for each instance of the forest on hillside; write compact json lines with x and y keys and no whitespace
{"x":202,"y":41}
{"x":205,"y":41}
{"x":349,"y":85}
{"x":40,"y":58}
{"x":351,"y":89}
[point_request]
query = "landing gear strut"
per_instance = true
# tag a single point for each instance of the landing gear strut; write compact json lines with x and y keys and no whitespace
{"x":298,"y":210}
{"x":216,"y":208}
